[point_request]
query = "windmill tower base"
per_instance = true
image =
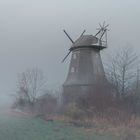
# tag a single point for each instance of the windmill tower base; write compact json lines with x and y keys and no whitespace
{"x":72,"y":93}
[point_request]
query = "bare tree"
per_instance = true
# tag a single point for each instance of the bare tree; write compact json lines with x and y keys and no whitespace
{"x":122,"y":71}
{"x":30,"y":85}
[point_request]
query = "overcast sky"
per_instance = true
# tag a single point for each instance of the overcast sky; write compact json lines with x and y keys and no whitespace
{"x":31,"y":34}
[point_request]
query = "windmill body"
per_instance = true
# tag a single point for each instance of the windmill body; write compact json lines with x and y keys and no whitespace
{"x":85,"y":69}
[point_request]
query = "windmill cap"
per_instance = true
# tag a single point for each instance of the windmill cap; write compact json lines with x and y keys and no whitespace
{"x":86,"y":40}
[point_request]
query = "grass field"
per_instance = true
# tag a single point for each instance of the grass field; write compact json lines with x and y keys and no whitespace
{"x":26,"y":128}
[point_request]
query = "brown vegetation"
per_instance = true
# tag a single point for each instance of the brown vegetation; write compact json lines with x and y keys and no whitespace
{"x":102,"y":112}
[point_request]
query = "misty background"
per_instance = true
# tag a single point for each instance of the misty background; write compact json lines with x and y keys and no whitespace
{"x":31,"y":35}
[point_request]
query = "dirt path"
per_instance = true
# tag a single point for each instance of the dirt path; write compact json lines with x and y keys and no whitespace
{"x":14,"y":113}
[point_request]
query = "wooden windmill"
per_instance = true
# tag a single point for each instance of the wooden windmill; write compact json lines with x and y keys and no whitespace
{"x":86,"y":68}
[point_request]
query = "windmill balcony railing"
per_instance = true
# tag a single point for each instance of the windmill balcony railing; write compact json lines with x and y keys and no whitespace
{"x":102,"y":43}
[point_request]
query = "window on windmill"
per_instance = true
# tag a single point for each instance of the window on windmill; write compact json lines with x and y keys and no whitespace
{"x":72,"y":69}
{"x":74,"y":56}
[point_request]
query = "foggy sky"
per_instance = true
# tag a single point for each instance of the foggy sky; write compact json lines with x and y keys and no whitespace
{"x":31,"y":34}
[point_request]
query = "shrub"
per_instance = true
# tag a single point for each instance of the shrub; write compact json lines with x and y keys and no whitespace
{"x":74,"y":112}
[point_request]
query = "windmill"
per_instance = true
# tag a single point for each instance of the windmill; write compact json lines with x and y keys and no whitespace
{"x":86,"y":68}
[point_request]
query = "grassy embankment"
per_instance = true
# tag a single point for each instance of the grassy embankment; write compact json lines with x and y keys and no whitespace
{"x":26,"y":128}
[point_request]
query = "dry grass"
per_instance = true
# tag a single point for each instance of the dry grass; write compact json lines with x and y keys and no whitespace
{"x":108,"y":126}
{"x":104,"y":125}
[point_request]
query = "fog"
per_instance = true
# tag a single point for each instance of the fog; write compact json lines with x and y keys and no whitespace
{"x":31,"y":34}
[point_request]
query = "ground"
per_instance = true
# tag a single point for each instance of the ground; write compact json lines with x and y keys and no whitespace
{"x":17,"y":126}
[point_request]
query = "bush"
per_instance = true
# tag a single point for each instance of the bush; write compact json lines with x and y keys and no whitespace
{"x":74,"y":112}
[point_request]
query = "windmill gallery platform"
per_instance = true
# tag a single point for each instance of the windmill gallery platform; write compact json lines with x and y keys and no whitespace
{"x":86,"y":69}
